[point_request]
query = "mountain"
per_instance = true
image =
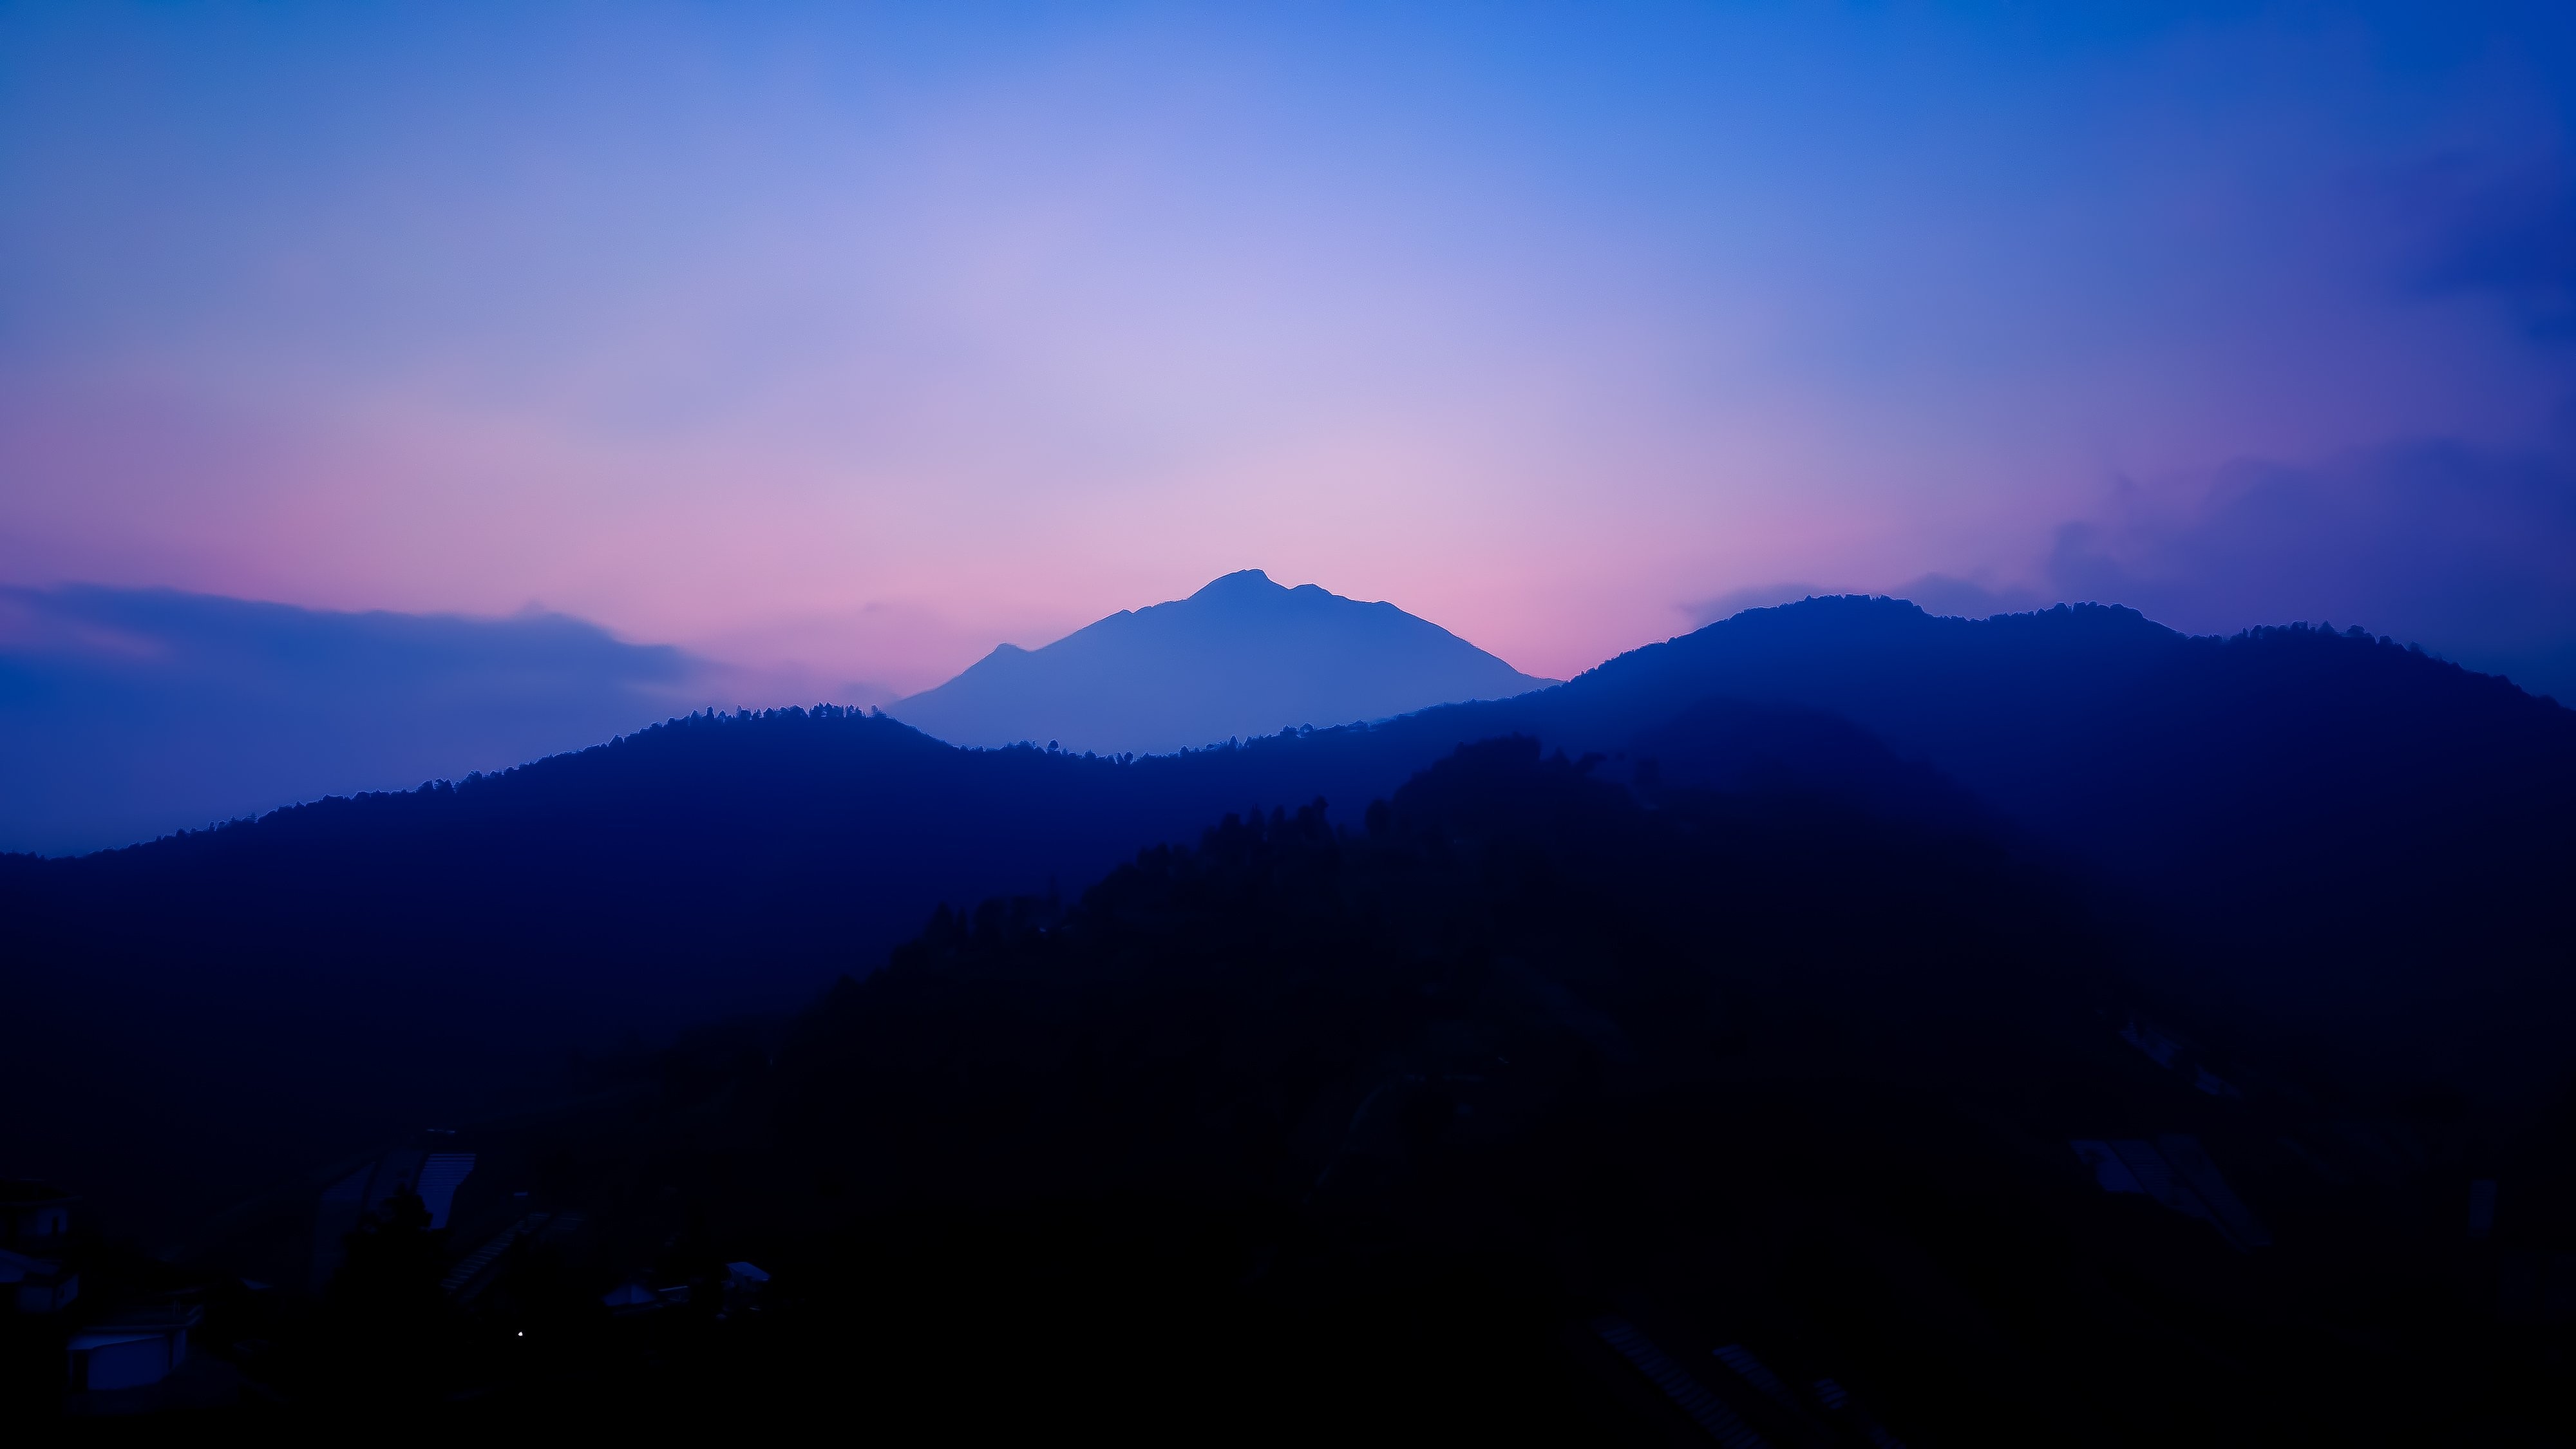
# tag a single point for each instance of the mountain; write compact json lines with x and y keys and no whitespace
{"x":2362,"y":842}
{"x":1241,"y":657}
{"x":1529,"y":1107}
{"x":2341,"y":841}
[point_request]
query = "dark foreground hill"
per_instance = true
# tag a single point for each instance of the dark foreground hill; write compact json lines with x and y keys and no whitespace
{"x":1530,"y":1108}
{"x":1243,"y":656}
{"x":2362,"y":843}
{"x":2363,"y":848}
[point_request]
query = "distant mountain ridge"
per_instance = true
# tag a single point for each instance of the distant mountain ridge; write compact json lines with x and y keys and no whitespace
{"x":1242,"y":657}
{"x":2367,"y":843}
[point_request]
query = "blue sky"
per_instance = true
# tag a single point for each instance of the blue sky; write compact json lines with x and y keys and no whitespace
{"x":836,"y":345}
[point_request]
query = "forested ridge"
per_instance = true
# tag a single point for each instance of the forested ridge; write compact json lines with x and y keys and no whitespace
{"x":2360,"y":846}
{"x":1323,"y":1123}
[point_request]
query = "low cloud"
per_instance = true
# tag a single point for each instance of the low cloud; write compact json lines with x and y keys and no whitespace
{"x":126,"y":714}
{"x":2469,"y":552}
{"x":1937,"y":593}
{"x":1970,"y":598}
{"x":1761,"y":596}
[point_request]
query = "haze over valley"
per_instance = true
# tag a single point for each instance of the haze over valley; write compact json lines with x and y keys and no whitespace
{"x":1822,"y":728}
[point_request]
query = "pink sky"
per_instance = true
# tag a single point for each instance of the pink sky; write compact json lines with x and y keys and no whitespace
{"x":845,"y":349}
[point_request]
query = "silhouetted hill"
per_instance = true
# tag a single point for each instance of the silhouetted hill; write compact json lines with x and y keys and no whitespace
{"x":2351,"y":835}
{"x":1430,"y":1120}
{"x":1241,"y":657}
{"x":1389,"y":1111}
{"x":2366,"y":843}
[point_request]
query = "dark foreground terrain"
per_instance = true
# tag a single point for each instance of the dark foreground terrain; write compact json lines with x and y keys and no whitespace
{"x":2361,"y":849}
{"x":1839,"y":1025}
{"x":1526,"y":1106}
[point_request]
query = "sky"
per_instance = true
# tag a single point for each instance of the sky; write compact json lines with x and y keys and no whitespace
{"x":834,"y":345}
{"x":126,"y":714}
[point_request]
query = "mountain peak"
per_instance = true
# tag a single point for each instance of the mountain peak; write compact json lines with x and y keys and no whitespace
{"x":1236,"y":659}
{"x":1241,"y":581}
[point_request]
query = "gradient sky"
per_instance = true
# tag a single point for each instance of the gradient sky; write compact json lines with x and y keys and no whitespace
{"x":845,"y":343}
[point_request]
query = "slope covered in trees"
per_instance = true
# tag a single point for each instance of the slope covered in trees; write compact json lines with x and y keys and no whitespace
{"x":2359,"y":843}
{"x":1406,"y":1123}
{"x":2363,"y":843}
